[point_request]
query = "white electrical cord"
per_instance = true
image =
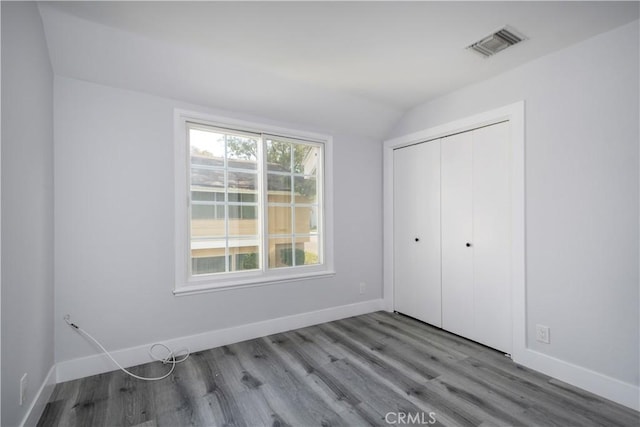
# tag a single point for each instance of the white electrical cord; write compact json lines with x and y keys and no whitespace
{"x":171,"y":356}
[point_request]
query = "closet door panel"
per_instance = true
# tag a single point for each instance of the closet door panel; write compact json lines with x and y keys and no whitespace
{"x":457,"y":233}
{"x":417,"y":287}
{"x":491,"y":236}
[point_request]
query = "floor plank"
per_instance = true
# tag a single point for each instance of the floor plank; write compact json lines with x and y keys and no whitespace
{"x":377,"y":369}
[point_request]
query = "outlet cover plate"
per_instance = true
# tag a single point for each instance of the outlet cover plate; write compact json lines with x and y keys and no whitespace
{"x":542,"y":334}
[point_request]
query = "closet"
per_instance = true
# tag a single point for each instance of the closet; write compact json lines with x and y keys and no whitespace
{"x":452,"y":234}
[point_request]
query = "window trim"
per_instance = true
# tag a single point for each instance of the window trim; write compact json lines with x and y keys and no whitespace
{"x":185,"y":284}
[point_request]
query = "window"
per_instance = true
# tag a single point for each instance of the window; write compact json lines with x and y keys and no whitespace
{"x":206,"y":264}
{"x":256,"y":209}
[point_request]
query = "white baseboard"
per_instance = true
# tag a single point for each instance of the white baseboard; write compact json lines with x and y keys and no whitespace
{"x":99,"y":363}
{"x":40,"y":400}
{"x":594,"y":382}
{"x":610,"y":388}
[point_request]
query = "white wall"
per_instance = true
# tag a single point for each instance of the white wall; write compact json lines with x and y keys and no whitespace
{"x":114,"y":226}
{"x":582,"y":194}
{"x":27,"y":207}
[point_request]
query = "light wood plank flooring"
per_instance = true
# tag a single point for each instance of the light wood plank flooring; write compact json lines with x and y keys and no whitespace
{"x":375,"y":369}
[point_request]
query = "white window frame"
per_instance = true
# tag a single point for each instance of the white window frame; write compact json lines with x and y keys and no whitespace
{"x":185,"y":283}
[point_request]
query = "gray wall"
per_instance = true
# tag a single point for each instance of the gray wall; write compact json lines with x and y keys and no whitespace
{"x":27,"y":207}
{"x":114,"y":221}
{"x":581,"y":194}
{"x":84,"y":50}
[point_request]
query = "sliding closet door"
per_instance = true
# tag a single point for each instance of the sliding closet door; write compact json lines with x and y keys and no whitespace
{"x":417,"y":288}
{"x":476,"y":292}
{"x":457,"y":235}
{"x":491,"y":236}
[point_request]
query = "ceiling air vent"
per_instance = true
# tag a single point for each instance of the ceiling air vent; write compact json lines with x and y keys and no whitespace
{"x":496,"y":42}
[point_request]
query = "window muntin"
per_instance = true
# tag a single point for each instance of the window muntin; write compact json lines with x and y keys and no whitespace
{"x":255,"y":202}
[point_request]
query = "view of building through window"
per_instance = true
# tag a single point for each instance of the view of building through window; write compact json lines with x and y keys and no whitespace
{"x":254,"y":201}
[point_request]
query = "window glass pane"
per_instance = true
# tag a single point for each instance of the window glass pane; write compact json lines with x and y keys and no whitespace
{"x":305,"y":189}
{"x":249,"y":212}
{"x":207,"y":228}
{"x":247,"y":258}
{"x":278,"y":156}
{"x":242,"y":226}
{"x":280,"y":252}
{"x":279,"y":188}
{"x":242,"y":181}
{"x":306,"y":219}
{"x":207,"y":196}
{"x":305,"y":159}
{"x":242,"y":152}
{"x":202,"y":248}
{"x":307,"y":248}
{"x":207,"y":256}
{"x":208,"y":179}
{"x":200,"y":211}
{"x":293,"y":257}
{"x":280,"y":220}
{"x":243,"y":197}
{"x":206,"y":148}
{"x":207,"y":265}
{"x":243,"y":212}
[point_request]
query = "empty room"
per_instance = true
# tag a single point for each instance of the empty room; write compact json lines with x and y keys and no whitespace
{"x":320,"y":213}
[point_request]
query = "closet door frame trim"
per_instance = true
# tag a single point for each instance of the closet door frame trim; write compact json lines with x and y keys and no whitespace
{"x":515,"y":114}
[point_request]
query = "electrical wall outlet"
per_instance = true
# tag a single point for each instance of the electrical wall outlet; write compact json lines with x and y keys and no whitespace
{"x":23,"y":388}
{"x":542,"y":334}
{"x":363,"y":287}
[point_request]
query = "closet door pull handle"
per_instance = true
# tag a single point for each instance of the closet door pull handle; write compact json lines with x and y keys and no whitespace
{"x":417,"y":239}
{"x":468,"y":245}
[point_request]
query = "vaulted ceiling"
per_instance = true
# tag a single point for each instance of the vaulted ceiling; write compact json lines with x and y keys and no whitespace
{"x":381,"y":58}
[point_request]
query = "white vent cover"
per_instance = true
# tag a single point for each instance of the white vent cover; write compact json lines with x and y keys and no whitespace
{"x":496,"y":42}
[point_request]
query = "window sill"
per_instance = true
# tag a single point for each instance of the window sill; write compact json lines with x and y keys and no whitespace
{"x":194,"y":289}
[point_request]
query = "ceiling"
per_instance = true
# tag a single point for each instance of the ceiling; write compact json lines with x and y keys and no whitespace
{"x":398,"y":53}
{"x":393,"y":54}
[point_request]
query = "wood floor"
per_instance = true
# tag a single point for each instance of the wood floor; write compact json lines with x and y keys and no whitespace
{"x":376,"y":369}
